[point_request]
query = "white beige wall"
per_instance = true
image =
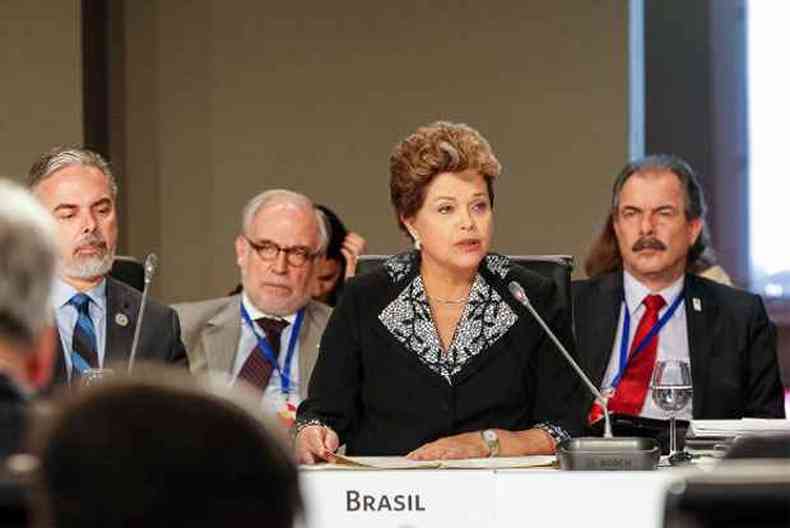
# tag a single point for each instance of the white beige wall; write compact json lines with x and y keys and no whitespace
{"x":224,"y":99}
{"x":41,"y":80}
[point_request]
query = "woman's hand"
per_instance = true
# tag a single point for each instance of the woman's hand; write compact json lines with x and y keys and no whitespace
{"x":533,"y":441}
{"x":316,"y":443}
{"x":465,"y":445}
{"x":353,"y":246}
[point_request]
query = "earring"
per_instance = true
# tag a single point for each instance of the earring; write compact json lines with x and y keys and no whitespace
{"x":416,"y":239}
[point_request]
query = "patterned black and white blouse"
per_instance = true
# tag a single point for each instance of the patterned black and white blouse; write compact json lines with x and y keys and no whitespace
{"x":486,"y":317}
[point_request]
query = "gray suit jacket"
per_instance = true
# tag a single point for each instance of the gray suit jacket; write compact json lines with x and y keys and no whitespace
{"x":211,"y":331}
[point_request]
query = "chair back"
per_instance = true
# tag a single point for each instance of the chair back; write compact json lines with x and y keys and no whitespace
{"x":14,"y":497}
{"x":128,"y":270}
{"x":736,"y":493}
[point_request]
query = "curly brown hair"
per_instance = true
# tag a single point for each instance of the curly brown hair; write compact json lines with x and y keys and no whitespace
{"x":431,"y":150}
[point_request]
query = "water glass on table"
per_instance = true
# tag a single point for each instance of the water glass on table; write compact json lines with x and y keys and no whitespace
{"x":671,"y":390}
{"x":95,"y":376}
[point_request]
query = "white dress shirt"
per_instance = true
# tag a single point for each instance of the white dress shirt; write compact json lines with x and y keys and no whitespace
{"x":672,"y":339}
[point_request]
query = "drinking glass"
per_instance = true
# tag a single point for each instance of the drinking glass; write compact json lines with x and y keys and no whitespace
{"x":671,"y":388}
{"x":94,"y":376}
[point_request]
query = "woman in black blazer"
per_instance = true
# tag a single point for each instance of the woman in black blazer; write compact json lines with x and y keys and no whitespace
{"x":431,"y":357}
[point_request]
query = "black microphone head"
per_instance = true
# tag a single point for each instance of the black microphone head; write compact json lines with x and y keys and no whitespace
{"x":518,"y":292}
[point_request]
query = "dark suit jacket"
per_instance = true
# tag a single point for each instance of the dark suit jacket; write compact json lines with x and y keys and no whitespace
{"x":732,"y":345}
{"x":160,"y":334}
{"x":383,"y":400}
{"x":13,"y":416}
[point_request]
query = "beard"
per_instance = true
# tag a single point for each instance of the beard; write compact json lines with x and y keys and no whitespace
{"x":89,"y":266}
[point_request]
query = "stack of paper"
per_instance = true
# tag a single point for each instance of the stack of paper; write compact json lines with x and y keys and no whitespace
{"x":744,"y":426}
{"x":346,"y":462}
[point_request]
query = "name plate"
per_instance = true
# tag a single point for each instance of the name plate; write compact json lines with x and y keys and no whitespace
{"x":400,"y":499}
{"x":569,"y":498}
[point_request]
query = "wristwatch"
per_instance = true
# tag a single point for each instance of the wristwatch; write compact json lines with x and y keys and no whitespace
{"x":491,"y":440}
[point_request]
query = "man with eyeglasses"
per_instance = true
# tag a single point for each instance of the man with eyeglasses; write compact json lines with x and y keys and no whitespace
{"x":267,"y":336}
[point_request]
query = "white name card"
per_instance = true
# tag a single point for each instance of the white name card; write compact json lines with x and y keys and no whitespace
{"x":610,"y":499}
{"x":399,"y":499}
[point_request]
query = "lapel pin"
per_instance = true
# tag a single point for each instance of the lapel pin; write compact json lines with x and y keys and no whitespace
{"x":121,"y":319}
{"x":697,"y":304}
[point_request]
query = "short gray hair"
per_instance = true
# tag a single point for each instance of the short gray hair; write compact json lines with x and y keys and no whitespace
{"x":280,"y":196}
{"x":28,"y":256}
{"x":61,"y":157}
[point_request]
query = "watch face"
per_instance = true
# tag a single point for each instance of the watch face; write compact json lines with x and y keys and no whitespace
{"x":489,"y":436}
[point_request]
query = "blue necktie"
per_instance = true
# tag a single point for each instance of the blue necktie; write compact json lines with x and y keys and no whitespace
{"x":83,"y":340}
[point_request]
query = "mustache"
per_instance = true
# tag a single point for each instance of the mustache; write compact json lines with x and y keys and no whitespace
{"x":91,"y":239}
{"x":649,"y":243}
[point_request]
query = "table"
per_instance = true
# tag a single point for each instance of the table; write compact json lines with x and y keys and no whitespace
{"x":484,"y":498}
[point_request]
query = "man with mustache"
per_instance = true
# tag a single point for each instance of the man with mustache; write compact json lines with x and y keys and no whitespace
{"x":95,"y":314}
{"x":267,"y":336}
{"x":642,"y":278}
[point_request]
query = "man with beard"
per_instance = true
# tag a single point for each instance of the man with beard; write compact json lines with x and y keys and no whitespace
{"x":643,"y":304}
{"x":95,"y":314}
{"x":267,"y":336}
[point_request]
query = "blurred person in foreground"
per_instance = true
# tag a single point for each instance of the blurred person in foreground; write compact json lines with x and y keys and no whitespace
{"x":339,"y":263}
{"x":161,"y":449}
{"x":644,"y":265}
{"x":431,"y":356}
{"x":95,"y":314}
{"x":267,"y":336}
{"x":27,"y":339}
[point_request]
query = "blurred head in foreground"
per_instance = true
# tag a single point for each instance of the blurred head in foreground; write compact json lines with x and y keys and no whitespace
{"x":141,"y":451}
{"x":28,"y":254}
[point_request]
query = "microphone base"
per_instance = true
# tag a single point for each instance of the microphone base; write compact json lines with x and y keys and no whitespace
{"x":609,"y":454}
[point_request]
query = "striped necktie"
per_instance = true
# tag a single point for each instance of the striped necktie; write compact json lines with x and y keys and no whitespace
{"x":257,"y":370}
{"x":83,"y":340}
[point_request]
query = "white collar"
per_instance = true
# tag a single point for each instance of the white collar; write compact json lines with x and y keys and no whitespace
{"x":62,"y":292}
{"x":255,"y":313}
{"x":635,"y":291}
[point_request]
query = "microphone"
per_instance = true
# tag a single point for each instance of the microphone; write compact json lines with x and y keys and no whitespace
{"x":521,"y":296}
{"x":149,"y":268}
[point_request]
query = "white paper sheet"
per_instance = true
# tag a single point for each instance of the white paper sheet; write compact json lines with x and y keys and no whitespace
{"x":739,"y":427}
{"x":346,"y":462}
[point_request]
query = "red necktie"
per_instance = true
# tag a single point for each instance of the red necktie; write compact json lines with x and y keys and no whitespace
{"x":257,"y":370}
{"x":630,"y":394}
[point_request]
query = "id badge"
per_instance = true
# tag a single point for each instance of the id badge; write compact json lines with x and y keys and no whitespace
{"x":287,"y":414}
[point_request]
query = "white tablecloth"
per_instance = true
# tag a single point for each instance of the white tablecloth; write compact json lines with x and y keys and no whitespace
{"x":484,"y":498}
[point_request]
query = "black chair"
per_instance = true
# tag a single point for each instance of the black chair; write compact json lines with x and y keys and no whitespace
{"x":14,"y":497}
{"x":555,"y":267}
{"x":760,"y":446}
{"x":735,"y":494}
{"x":128,"y":270}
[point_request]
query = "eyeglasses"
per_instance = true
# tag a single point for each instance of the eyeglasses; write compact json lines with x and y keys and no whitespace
{"x":296,"y":256}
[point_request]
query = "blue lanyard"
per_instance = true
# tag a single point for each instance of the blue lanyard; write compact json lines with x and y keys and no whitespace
{"x":268,"y":353}
{"x":624,"y":359}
